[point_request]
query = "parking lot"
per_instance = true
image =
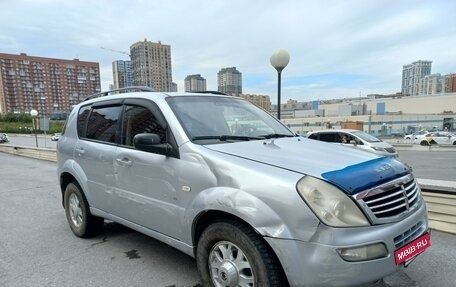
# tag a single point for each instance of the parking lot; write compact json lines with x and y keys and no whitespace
{"x":37,"y":247}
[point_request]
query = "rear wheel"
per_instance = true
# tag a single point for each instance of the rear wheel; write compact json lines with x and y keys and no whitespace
{"x":424,"y":143}
{"x":81,"y":221}
{"x":232,"y":254}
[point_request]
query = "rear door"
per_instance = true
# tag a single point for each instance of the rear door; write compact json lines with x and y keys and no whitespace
{"x":98,"y":130}
{"x":442,"y":138}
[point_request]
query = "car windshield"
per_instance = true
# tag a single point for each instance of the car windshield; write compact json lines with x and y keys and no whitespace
{"x":366,"y":137}
{"x":220,"y":118}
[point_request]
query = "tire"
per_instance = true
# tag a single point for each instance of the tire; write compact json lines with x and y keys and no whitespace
{"x":81,"y":221}
{"x":424,"y":143}
{"x":221,"y":242}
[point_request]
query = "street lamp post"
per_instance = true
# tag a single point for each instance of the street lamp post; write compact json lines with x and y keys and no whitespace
{"x":279,"y":60}
{"x":34,"y":114}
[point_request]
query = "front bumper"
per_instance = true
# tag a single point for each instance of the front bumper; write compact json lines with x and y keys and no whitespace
{"x":317,"y":262}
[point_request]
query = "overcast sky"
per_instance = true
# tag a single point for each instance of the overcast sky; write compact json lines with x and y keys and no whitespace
{"x":337,"y":48}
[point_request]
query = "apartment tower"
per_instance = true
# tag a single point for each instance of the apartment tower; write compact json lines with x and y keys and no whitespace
{"x":229,"y":81}
{"x":122,"y":76}
{"x":151,"y":65}
{"x":45,"y":84}
{"x":195,"y":83}
{"x":412,"y":75}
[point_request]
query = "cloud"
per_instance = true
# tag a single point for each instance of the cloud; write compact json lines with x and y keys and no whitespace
{"x":337,"y":48}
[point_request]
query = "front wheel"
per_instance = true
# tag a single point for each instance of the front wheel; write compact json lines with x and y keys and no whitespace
{"x":81,"y":221}
{"x":424,"y":143}
{"x":232,"y":254}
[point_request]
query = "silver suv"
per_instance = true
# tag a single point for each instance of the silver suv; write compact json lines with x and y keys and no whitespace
{"x":225,"y":182}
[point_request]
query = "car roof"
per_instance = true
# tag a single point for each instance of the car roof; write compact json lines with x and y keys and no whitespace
{"x":146,"y":93}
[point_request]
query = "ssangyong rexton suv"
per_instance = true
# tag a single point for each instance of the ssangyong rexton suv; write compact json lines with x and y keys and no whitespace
{"x":225,"y":182}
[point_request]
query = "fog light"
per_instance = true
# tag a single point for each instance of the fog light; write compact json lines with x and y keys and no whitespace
{"x":363,"y":253}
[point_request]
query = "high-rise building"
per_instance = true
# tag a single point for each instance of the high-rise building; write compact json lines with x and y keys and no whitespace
{"x":412,"y":74}
{"x":263,"y":101}
{"x":45,"y":84}
{"x":195,"y":83}
{"x":229,"y":81}
{"x":151,"y":65}
{"x":432,"y":84}
{"x":450,"y":85}
{"x":122,"y":76}
{"x":173,"y":87}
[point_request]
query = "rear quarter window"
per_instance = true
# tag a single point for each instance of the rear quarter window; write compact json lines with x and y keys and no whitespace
{"x":83,"y":116}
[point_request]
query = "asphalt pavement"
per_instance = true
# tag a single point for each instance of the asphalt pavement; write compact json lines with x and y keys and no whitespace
{"x":37,"y":247}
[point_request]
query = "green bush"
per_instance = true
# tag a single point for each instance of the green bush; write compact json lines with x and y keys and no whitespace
{"x":16,"y":118}
{"x":22,"y":124}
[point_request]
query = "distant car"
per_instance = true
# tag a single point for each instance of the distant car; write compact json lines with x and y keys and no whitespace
{"x":356,"y":139}
{"x":55,"y":137}
{"x":4,"y":138}
{"x":414,"y":135}
{"x":439,"y":137}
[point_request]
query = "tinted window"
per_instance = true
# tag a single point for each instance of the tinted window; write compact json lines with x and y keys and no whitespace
{"x":139,"y":120}
{"x":313,"y":136}
{"x":103,"y":124}
{"x":82,"y":120}
{"x":329,"y":137}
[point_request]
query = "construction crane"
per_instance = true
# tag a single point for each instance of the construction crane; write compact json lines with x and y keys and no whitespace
{"x":116,"y":51}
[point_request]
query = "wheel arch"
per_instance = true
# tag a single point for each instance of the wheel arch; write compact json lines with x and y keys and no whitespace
{"x":205,"y":219}
{"x":231,"y":203}
{"x":65,"y":179}
{"x":71,"y":171}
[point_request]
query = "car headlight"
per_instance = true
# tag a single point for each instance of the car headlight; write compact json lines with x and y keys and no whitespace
{"x":377,"y":148}
{"x":330,"y":204}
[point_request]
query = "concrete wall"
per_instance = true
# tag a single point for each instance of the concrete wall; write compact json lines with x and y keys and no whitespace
{"x":377,"y":125}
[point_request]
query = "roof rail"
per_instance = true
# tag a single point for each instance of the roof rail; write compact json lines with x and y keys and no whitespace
{"x":126,"y":89}
{"x":212,"y":92}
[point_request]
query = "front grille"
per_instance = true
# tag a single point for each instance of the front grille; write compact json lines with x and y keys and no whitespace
{"x":390,"y":201}
{"x":409,"y":235}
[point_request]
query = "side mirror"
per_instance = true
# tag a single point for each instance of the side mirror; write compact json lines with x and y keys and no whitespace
{"x":353,"y":142}
{"x":151,"y":143}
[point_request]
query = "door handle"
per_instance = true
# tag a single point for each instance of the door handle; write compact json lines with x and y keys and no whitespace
{"x":80,"y":151}
{"x":124,"y":162}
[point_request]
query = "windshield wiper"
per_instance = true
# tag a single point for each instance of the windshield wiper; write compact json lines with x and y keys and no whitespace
{"x":276,"y":136}
{"x":227,"y":137}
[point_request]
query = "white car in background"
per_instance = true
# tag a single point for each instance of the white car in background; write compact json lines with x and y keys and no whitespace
{"x":55,"y":137}
{"x":439,"y":137}
{"x":355,"y":139}
{"x":414,"y":135}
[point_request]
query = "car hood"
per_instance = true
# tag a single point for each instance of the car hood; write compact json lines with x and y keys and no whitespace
{"x":381,"y":144}
{"x":351,"y":170}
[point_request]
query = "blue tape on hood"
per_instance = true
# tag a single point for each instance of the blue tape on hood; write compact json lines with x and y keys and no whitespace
{"x":356,"y":178}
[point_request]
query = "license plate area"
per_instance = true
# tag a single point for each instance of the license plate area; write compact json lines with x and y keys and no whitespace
{"x":409,"y":251}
